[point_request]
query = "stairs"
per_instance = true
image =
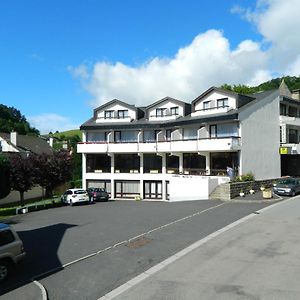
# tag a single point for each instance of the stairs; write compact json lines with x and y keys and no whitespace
{"x":221,"y":192}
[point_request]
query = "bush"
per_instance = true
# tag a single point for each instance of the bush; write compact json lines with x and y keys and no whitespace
{"x":76,"y":183}
{"x":246,"y":177}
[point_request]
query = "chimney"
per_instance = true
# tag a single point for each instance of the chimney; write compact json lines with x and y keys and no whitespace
{"x":13,"y":138}
{"x":51,"y":142}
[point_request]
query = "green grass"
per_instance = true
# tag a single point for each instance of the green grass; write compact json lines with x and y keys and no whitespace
{"x":68,"y":133}
{"x":8,"y":211}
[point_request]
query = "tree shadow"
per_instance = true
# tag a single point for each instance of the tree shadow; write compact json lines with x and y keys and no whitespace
{"x":41,"y":246}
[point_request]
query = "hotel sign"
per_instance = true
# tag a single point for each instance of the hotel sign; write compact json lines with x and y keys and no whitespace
{"x":284,"y":150}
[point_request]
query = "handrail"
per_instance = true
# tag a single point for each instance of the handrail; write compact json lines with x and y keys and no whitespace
{"x":164,"y":141}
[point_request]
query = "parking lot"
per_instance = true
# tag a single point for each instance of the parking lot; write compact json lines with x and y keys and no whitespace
{"x":83,"y":252}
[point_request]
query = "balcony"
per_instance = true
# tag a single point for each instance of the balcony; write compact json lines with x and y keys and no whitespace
{"x":126,"y":119}
{"x":289,"y":120}
{"x":193,"y":145}
{"x":211,"y":111}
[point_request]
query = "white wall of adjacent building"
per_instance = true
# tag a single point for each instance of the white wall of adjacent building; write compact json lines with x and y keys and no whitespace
{"x":260,"y":131}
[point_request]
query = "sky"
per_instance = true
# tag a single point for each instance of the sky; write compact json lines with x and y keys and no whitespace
{"x":60,"y":59}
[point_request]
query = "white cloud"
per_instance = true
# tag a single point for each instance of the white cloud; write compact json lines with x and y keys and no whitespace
{"x":278,"y":22}
{"x":51,"y":122}
{"x":208,"y":60}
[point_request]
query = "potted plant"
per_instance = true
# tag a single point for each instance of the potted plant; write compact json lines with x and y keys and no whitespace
{"x":267,"y":192}
{"x":242,"y":194}
{"x":262,"y":188}
{"x":251,"y":191}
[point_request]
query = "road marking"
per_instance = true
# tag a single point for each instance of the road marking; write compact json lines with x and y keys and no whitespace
{"x":136,"y":280}
{"x":42,"y":288}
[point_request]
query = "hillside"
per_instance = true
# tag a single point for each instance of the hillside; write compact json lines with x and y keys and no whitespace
{"x":67,"y":134}
{"x":292,"y":82}
{"x":11,"y":119}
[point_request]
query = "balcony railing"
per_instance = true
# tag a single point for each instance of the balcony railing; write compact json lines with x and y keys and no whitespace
{"x":194,"y":145}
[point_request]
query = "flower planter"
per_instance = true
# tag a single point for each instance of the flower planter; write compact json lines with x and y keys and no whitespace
{"x":242,"y":194}
{"x":251,"y":192}
{"x":267,"y":193}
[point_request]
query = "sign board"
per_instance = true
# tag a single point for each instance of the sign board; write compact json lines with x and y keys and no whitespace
{"x":284,"y":150}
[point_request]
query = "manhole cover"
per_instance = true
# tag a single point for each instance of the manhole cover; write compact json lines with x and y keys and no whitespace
{"x":138,"y":243}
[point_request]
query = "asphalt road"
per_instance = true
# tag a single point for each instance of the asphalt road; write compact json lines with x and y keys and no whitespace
{"x":56,"y":238}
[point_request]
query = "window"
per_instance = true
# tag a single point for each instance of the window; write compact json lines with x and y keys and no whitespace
{"x":293,"y":136}
{"x":222,"y":102}
{"x":122,"y":114}
{"x":168,"y":134}
{"x":213,"y":131}
{"x":160,"y":112}
{"x":293,"y":111}
{"x":282,"y":109}
{"x":174,"y":111}
{"x":6,"y":237}
{"x":117,"y":136}
{"x":108,"y":114}
{"x":206,"y":105}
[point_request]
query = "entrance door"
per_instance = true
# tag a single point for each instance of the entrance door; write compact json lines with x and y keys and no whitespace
{"x":153,"y":190}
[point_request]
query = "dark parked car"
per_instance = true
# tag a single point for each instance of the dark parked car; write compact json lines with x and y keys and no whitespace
{"x":287,"y":186}
{"x":98,"y":194}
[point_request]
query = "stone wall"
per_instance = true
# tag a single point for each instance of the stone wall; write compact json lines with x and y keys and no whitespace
{"x":231,"y":190}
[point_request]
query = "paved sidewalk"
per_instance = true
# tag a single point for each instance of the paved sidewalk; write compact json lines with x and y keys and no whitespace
{"x":256,"y":259}
{"x":29,"y":291}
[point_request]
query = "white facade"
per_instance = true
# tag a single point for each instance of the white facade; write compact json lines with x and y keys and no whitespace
{"x":176,"y":153}
{"x":166,"y":110}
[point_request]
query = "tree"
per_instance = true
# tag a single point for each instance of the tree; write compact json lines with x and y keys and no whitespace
{"x":11,"y":119}
{"x":52,"y":170}
{"x":4,"y":177}
{"x":22,"y":177}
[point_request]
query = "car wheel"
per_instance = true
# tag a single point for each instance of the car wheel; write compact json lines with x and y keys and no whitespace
{"x":5,"y":269}
{"x":293,"y":193}
{"x":71,"y":203}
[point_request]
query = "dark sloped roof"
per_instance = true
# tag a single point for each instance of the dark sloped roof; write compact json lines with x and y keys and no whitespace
{"x":166,"y":99}
{"x":33,"y":144}
{"x":144,"y":123}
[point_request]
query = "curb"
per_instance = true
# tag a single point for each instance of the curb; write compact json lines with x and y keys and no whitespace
{"x":134,"y":281}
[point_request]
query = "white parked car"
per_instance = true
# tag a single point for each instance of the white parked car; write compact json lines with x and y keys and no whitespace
{"x":11,"y":250}
{"x":73,"y":196}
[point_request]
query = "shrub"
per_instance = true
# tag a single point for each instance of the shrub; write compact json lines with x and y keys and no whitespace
{"x":246,"y":177}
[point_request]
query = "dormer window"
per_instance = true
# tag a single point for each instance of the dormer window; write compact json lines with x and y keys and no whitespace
{"x":174,"y":111}
{"x":206,"y":105}
{"x":160,"y":112}
{"x":122,"y":114}
{"x":222,"y":102}
{"x":108,"y":114}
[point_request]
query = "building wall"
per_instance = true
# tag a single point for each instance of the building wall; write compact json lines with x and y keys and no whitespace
{"x":116,"y":107}
{"x":167,"y":105}
{"x":260,"y":142}
{"x":7,"y":147}
{"x":213,"y":98}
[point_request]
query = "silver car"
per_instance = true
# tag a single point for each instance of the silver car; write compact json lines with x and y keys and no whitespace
{"x":287,"y":186}
{"x":11,"y":250}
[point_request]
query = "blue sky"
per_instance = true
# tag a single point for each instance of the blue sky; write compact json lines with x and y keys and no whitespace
{"x":60,"y":59}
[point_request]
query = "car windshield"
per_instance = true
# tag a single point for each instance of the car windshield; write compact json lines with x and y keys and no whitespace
{"x":287,"y":181}
{"x":79,"y":192}
{"x":100,"y":190}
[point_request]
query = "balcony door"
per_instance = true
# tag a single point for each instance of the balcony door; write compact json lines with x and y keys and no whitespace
{"x":153,"y":190}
